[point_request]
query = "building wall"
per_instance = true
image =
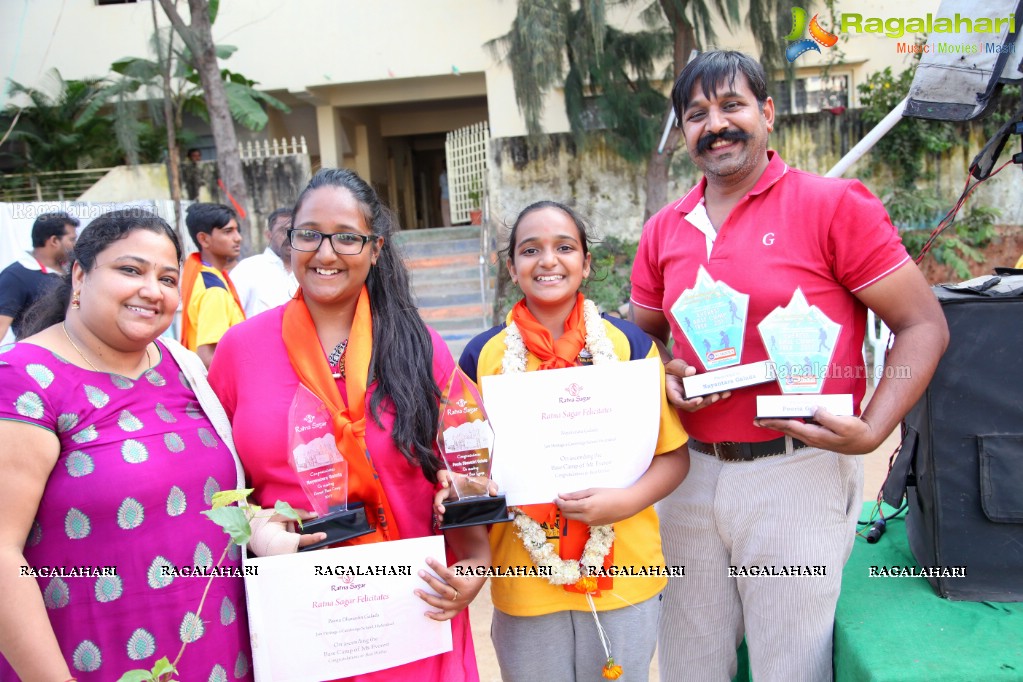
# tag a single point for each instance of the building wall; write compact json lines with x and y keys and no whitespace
{"x":606,"y":190}
{"x":610,"y":192}
{"x":360,"y":74}
{"x":348,"y":53}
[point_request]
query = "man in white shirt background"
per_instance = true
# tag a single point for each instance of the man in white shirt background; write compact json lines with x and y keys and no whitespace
{"x":265,"y":280}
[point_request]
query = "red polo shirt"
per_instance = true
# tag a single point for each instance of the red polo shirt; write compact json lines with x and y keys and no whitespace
{"x":829,"y":236}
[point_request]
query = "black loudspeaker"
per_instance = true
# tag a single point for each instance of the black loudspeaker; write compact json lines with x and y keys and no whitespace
{"x":961,"y":462}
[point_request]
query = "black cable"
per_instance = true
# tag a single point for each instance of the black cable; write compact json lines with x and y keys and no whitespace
{"x":888,"y":517}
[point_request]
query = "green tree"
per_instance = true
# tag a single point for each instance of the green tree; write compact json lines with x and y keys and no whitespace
{"x":61,"y":128}
{"x":170,"y":77}
{"x":609,"y":74}
{"x":198,"y":37}
{"x":184,"y":90}
{"x":901,"y":150}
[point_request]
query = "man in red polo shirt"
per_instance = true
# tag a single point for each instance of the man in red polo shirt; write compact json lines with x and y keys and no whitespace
{"x":766,"y":495}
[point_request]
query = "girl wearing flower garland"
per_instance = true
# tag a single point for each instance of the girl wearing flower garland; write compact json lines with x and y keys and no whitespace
{"x":597,"y":627}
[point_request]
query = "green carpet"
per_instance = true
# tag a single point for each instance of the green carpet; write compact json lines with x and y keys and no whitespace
{"x":898,"y":629}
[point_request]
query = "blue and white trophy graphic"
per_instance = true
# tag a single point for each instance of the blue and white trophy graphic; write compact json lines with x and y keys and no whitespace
{"x":800,"y":340}
{"x":712,"y":316}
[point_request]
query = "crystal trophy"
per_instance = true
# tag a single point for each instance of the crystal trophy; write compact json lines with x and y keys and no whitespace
{"x":466,"y":441}
{"x":322,"y":472}
{"x":712,"y":316}
{"x":800,"y":340}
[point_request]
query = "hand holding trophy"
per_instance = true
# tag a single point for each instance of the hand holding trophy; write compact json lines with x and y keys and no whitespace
{"x":712,"y":317}
{"x":466,"y":441}
{"x":322,"y":472}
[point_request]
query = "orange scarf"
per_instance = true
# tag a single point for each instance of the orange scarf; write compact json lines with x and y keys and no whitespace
{"x":553,"y":354}
{"x":189,"y":274}
{"x":313,"y":372}
{"x":556,"y":355}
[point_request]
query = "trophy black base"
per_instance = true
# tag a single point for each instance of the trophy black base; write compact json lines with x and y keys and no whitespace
{"x":338,"y":525}
{"x":475,"y":511}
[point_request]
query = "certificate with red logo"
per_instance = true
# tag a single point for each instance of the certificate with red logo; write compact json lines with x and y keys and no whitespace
{"x":340,"y":612}
{"x":564,"y":430}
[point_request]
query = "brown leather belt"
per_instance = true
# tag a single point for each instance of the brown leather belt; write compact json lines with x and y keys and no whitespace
{"x":730,"y":451}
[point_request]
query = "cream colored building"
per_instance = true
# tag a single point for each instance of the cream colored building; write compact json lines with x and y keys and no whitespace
{"x":376,"y":85}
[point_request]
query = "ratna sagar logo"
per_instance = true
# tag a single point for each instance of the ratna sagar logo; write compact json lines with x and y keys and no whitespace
{"x":798,"y":45}
{"x":576,"y":393}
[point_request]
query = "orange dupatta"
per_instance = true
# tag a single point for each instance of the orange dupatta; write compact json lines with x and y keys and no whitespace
{"x":556,"y":355}
{"x":553,"y":354}
{"x":189,"y":274}
{"x":311,"y":367}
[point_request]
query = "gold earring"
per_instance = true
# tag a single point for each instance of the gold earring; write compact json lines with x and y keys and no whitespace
{"x":76,"y":301}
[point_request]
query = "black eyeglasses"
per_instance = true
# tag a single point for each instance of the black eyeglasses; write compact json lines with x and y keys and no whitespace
{"x":343,"y":243}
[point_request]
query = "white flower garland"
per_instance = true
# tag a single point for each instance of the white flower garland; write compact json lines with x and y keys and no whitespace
{"x":534,"y":539}
{"x":563,"y":571}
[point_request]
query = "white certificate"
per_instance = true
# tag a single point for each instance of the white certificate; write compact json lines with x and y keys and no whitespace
{"x":564,"y":430}
{"x":340,"y":612}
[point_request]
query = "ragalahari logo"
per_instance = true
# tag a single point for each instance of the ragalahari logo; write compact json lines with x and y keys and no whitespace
{"x":801,"y":45}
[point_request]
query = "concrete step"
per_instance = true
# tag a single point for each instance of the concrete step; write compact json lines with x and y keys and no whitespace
{"x":472,"y":311}
{"x":461,"y":260}
{"x":445,"y":273}
{"x":456,"y":325}
{"x":449,"y":299}
{"x":457,"y":332}
{"x":438,"y":234}
{"x":457,"y":282}
{"x":429,"y":292}
{"x":441,"y":273}
{"x":449,"y":247}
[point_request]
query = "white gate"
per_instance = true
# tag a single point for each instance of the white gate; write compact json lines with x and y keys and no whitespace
{"x":467,"y":153}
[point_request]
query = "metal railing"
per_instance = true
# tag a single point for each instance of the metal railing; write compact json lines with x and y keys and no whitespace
{"x":50,"y":186}
{"x":267,"y":148}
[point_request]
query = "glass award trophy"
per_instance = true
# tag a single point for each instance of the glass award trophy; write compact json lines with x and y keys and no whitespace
{"x":322,"y":472}
{"x":466,"y":441}
{"x":800,"y":340}
{"x":712,"y":316}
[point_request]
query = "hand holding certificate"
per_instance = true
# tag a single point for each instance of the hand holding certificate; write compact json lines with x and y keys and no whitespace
{"x":566,"y":430}
{"x":712,"y":317}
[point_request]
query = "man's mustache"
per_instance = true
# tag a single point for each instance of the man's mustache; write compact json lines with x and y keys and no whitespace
{"x":730,"y":135}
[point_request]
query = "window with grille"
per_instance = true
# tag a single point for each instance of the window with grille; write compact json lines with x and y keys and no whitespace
{"x":810,"y":94}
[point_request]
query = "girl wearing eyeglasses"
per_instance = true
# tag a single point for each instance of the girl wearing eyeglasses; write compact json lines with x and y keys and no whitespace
{"x":353,"y":337}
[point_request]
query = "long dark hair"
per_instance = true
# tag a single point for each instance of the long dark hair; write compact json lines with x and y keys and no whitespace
{"x":108,"y":228}
{"x":402,"y":348}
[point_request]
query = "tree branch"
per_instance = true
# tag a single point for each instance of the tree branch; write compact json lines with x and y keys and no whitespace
{"x":183,"y":29}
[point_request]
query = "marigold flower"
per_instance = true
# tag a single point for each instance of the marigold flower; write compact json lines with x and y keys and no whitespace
{"x":587,"y":584}
{"x":611,"y":671}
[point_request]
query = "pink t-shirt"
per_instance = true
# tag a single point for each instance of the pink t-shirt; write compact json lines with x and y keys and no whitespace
{"x":830,"y":237}
{"x":253,"y":378}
